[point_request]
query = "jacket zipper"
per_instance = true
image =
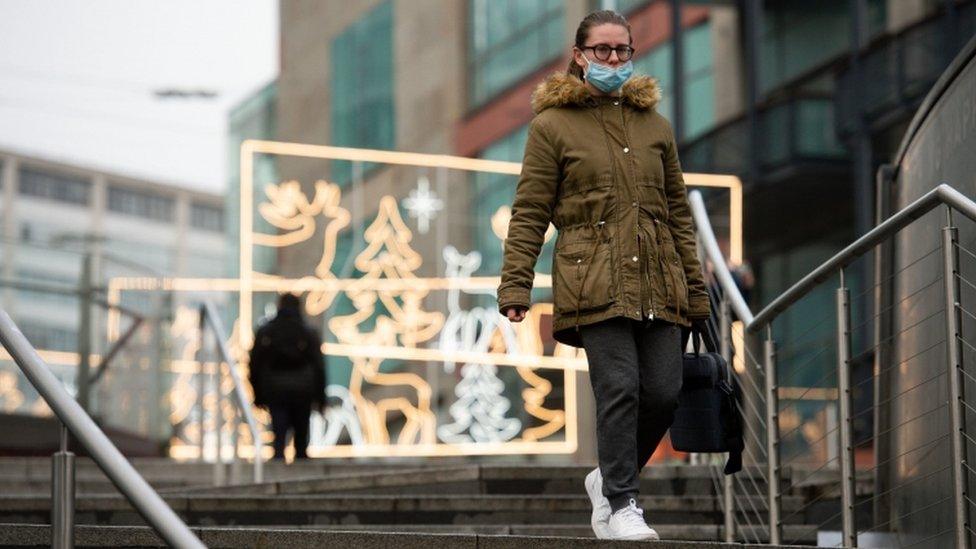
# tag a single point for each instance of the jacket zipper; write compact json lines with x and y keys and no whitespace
{"x":643,"y":275}
{"x":643,"y":267}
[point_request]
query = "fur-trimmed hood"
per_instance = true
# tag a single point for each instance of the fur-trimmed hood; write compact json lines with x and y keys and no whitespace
{"x":561,"y":89}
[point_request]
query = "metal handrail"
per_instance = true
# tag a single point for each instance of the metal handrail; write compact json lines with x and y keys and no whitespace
{"x":122,"y":474}
{"x":942,"y":194}
{"x":714,"y":254}
{"x":208,"y":313}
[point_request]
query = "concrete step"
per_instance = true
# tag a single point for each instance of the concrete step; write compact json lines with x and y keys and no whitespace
{"x":82,"y":487}
{"x":39,"y":468}
{"x":478,"y":479}
{"x":29,"y":535}
{"x":358,"y":509}
{"x":152,"y":469}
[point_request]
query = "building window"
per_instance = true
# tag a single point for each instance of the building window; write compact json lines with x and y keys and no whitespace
{"x":798,"y":35}
{"x":362,"y":86}
{"x":620,"y":6}
{"x":208,"y":218}
{"x":53,"y":186}
{"x":38,"y":295}
{"x":140,"y":204}
{"x":699,"y":79}
{"x":508,"y":40}
{"x":49,"y":338}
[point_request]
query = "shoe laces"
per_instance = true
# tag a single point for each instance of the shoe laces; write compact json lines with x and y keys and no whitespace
{"x":632,"y":515}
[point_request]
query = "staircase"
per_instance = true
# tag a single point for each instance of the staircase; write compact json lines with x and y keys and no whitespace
{"x":327,"y":503}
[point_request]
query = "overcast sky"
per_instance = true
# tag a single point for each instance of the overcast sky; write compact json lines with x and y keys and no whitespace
{"x":77,"y":81}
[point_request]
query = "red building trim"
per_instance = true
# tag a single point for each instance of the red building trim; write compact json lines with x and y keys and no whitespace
{"x":510,"y":110}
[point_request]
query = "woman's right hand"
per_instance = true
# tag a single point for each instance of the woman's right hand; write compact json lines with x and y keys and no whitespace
{"x":515,"y":313}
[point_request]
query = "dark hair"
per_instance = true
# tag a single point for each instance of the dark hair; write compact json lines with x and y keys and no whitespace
{"x":289,"y":302}
{"x":594,"y":19}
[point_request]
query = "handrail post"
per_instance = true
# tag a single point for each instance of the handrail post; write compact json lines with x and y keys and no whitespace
{"x":239,"y":399}
{"x":772,"y":437}
{"x":950,"y":238}
{"x":219,"y":479}
{"x":202,"y":383}
{"x":63,"y":494}
{"x":85,"y":333}
{"x":135,"y":488}
{"x":235,"y":462}
{"x":725,"y":319}
{"x":844,"y":408}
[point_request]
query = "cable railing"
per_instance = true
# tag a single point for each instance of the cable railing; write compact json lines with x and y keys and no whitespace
{"x":74,"y":420}
{"x":826,"y":454}
{"x":210,"y":322}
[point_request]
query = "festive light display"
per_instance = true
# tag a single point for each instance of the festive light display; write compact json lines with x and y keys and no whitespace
{"x":423,"y":205}
{"x":392,"y":328}
{"x":479,"y":412}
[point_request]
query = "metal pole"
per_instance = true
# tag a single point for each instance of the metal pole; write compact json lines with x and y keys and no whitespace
{"x":201,"y":381}
{"x":235,"y":462}
{"x":219,"y":479}
{"x":63,"y":495}
{"x":772,"y":437}
{"x":84,"y":332}
{"x":883,"y":299}
{"x":844,"y":406}
{"x":240,"y":399}
{"x":155,"y":378}
{"x":152,"y":507}
{"x":950,"y":237}
{"x":725,"y":319}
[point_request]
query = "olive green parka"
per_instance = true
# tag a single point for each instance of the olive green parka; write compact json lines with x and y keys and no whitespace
{"x":605,"y":172}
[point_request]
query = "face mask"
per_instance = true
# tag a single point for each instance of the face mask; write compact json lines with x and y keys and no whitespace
{"x":608,"y":79}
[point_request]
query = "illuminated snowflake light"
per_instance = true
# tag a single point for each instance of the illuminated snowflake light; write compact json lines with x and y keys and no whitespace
{"x":422,"y":204}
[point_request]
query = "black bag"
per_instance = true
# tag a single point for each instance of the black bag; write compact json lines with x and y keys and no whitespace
{"x":708,"y":418}
{"x":287,"y":374}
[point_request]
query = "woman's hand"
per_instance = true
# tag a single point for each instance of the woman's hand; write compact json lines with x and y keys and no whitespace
{"x":515,"y":313}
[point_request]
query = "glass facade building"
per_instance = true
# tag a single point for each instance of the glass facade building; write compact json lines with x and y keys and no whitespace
{"x":509,"y":39}
{"x":362,"y":83}
{"x":784,"y":116}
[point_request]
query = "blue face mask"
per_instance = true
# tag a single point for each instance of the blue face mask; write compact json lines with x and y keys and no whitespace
{"x":608,"y":79}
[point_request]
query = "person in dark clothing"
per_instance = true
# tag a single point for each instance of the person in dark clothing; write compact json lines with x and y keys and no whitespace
{"x":288,"y":374}
{"x":601,"y":165}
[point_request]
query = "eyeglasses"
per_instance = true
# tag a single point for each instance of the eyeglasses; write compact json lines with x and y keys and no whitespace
{"x":602,"y":52}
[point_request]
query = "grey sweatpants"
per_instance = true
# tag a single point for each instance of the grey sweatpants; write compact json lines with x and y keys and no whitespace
{"x":635,"y":371}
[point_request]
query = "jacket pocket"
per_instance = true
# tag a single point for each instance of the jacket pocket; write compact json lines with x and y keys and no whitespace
{"x":653,"y":200}
{"x":582,"y":278}
{"x":572,"y":186}
{"x":584,"y":202}
{"x":676,"y":269}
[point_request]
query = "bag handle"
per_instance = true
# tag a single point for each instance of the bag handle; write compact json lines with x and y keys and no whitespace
{"x":697,"y":336}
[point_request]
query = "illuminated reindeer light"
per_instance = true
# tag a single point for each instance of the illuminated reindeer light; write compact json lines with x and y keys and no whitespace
{"x":289,"y":210}
{"x":399,"y":318}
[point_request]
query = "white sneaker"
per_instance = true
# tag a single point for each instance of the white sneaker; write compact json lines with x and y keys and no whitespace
{"x":601,"y":506}
{"x":628,"y":523}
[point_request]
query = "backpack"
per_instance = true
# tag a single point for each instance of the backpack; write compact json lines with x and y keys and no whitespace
{"x":287,"y":373}
{"x":708,"y":418}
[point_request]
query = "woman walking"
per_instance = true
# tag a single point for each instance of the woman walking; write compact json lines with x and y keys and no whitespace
{"x":600,"y":164}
